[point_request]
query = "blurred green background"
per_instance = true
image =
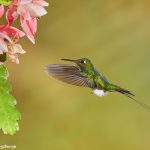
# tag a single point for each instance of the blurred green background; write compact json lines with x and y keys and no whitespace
{"x":115,"y":35}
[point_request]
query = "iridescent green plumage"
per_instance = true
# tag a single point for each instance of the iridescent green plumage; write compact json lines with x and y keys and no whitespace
{"x":83,"y":73}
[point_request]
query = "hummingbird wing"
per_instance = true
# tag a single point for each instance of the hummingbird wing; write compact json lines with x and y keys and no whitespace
{"x":69,"y":74}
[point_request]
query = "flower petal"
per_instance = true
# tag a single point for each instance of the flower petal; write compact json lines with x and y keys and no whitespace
{"x":18,"y":33}
{"x":11,"y":14}
{"x":6,"y":37}
{"x":14,"y":58}
{"x":10,"y":33}
{"x":27,"y":29}
{"x":33,"y":25}
{"x":3,"y":46}
{"x":23,"y":2}
{"x":35,"y":10}
{"x":41,"y":2}
{"x":17,"y":48}
{"x":14,"y":50}
{"x":1,"y":10}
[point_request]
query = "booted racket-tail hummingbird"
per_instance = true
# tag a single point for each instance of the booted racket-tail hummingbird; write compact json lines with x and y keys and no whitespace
{"x":84,"y":74}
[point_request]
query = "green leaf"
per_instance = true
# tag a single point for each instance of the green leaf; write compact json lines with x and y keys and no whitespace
{"x":9,"y":115}
{"x":3,"y":72}
{"x":5,"y":2}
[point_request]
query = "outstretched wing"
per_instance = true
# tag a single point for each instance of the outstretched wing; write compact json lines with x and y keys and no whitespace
{"x":69,"y":74}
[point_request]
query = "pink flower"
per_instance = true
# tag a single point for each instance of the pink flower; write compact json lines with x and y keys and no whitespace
{"x":29,"y":11}
{"x":8,"y":38}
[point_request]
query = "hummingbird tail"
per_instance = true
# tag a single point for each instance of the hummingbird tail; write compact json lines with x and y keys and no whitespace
{"x":131,"y":96}
{"x":123,"y":91}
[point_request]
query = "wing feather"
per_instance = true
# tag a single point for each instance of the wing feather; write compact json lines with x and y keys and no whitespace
{"x":69,"y":74}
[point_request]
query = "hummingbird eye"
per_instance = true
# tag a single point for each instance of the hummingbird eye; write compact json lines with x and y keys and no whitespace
{"x":82,"y":61}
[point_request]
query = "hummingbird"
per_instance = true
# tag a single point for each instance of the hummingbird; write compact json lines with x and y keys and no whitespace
{"x":83,"y":73}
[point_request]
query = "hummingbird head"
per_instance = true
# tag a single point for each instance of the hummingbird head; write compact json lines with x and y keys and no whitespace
{"x":83,"y":63}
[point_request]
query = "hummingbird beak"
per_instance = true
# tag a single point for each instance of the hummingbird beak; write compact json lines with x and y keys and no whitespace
{"x":70,"y":60}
